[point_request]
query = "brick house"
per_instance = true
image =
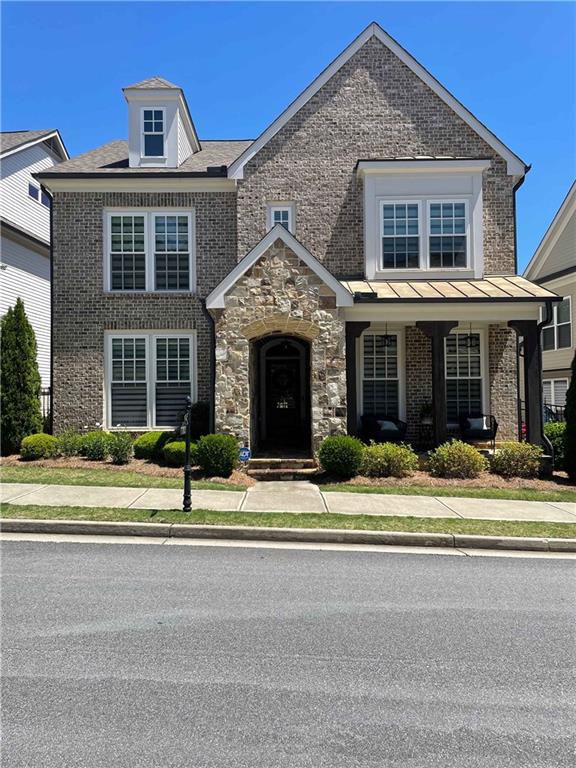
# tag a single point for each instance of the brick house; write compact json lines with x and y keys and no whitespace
{"x":357,"y":258}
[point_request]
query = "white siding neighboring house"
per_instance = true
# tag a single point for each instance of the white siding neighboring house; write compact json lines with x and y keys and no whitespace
{"x":553,"y":266}
{"x":25,"y":230}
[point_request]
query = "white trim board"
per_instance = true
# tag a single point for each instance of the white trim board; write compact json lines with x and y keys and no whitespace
{"x":516,"y":166}
{"x":216,"y":299}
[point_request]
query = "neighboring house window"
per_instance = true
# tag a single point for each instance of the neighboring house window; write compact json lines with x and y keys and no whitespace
{"x":380,"y":375}
{"x":153,"y":132}
{"x":34,"y":191}
{"x":281,"y":214}
{"x":558,"y":335}
{"x":463,"y":374}
{"x":171,"y":253}
{"x":45,"y":199}
{"x":400,"y":236}
{"x":554,"y":391}
{"x":150,"y":251}
{"x":447,"y":228}
{"x":149,"y":378}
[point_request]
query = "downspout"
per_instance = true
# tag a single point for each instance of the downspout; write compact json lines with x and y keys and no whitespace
{"x":212,"y":373}
{"x":546,"y":320}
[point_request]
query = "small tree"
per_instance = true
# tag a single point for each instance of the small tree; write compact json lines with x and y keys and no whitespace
{"x":21,"y":414}
{"x":570,"y":433}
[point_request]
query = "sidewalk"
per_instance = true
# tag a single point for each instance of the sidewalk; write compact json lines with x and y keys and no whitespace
{"x":289,"y":497}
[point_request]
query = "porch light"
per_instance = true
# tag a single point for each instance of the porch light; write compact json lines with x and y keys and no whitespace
{"x":470,"y":339}
{"x":388,"y":340}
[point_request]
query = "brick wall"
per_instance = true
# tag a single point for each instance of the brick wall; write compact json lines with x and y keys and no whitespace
{"x":82,"y":311}
{"x":418,"y":377}
{"x":503,"y":375}
{"x":374,"y":107}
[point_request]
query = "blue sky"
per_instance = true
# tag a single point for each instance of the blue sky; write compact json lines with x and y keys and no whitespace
{"x":512,"y":64}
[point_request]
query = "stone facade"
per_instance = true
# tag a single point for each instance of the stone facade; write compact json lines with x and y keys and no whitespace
{"x":280,"y":295}
{"x":82,"y":311}
{"x":374,"y":107}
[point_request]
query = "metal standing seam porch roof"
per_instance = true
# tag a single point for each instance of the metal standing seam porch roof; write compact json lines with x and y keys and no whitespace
{"x":489,"y":289}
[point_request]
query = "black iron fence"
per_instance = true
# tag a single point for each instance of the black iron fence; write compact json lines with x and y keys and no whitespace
{"x":549,"y":412}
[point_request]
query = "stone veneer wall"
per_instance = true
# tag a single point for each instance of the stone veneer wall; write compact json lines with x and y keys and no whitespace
{"x":280,"y":294}
{"x":374,"y":107}
{"x":503,"y":374}
{"x":82,"y":312}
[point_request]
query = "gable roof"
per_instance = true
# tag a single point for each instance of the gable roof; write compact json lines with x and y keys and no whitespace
{"x":153,"y":82}
{"x":516,"y":166}
{"x":14,"y":141}
{"x":557,"y":226}
{"x":215,"y":300}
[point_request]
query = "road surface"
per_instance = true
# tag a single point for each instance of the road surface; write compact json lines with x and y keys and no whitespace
{"x":203,"y":657}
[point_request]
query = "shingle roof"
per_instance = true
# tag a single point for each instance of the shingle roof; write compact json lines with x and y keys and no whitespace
{"x":112,"y":159}
{"x":153,"y":82}
{"x":504,"y":288}
{"x":11,"y":139}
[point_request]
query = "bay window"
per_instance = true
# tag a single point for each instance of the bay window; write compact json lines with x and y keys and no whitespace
{"x":463,"y":361}
{"x":149,"y":251}
{"x":380,"y":388}
{"x":148,"y":377}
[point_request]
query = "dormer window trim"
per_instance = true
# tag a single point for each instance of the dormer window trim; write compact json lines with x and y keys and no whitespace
{"x":144,"y":133}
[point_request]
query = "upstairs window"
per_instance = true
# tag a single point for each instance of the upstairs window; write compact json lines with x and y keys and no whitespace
{"x":33,"y":192}
{"x":447,"y":231}
{"x":400,"y":236}
{"x":558,"y":335}
{"x":153,"y":132}
{"x":282,"y":214}
{"x":150,"y":251}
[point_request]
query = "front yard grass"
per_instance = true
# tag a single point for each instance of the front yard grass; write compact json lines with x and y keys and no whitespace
{"x":523,"y":494}
{"x":28,"y":473}
{"x":283,"y":520}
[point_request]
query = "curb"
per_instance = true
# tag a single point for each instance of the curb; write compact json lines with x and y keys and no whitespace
{"x":315,"y":535}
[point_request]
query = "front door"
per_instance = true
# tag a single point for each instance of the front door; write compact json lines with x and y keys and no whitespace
{"x":284,"y":402}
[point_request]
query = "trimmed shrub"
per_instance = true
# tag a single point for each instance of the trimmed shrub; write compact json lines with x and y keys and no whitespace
{"x":341,"y":455}
{"x":96,"y":445}
{"x":555,"y":432}
{"x":388,"y":460}
{"x":20,"y":412}
{"x":175,"y":453}
{"x":517,"y":460}
{"x":456,"y":459}
{"x":120,"y":447}
{"x":217,"y":455}
{"x":39,"y":446}
{"x":151,"y":444}
{"x":69,"y":443}
{"x":570,"y":433}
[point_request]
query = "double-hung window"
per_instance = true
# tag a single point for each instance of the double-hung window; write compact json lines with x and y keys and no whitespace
{"x":380,"y":375}
{"x":447,"y":235}
{"x":558,"y":335}
{"x":149,"y":377}
{"x":463,"y":374}
{"x":400,"y":236}
{"x":554,"y":392}
{"x":150,"y":251}
{"x":153,"y":132}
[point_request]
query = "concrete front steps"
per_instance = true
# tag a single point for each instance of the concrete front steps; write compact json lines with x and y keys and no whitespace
{"x":282,"y":469}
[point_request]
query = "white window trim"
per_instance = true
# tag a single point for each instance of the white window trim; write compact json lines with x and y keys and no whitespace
{"x":484,"y":366}
{"x":554,"y":325}
{"x":150,"y":339}
{"x":272,"y":207}
{"x":149,"y":214}
{"x":424,"y":234}
{"x":154,"y":133}
{"x":382,"y":329}
{"x":552,"y":383}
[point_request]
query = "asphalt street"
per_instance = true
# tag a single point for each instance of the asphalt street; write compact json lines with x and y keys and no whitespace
{"x":138,"y":656}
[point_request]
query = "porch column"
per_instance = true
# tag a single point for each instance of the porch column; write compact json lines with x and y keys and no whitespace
{"x":528,"y":329}
{"x":437,"y":330}
{"x":353,"y":331}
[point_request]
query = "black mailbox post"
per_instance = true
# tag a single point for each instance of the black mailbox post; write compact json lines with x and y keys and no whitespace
{"x":186,"y":429}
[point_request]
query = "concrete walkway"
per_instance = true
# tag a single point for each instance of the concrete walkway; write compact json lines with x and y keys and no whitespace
{"x":289,"y":496}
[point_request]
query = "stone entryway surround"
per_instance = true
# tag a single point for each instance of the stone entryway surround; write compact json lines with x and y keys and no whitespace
{"x":279,"y":295}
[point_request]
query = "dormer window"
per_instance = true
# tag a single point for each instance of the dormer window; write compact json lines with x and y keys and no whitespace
{"x":153,"y":132}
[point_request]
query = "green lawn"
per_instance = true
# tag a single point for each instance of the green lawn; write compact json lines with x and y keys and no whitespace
{"x":469,"y":493}
{"x":28,"y":473}
{"x":282,"y":520}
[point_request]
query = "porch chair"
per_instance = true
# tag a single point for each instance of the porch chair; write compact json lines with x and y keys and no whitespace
{"x":382,"y":429}
{"x":478,"y":427}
